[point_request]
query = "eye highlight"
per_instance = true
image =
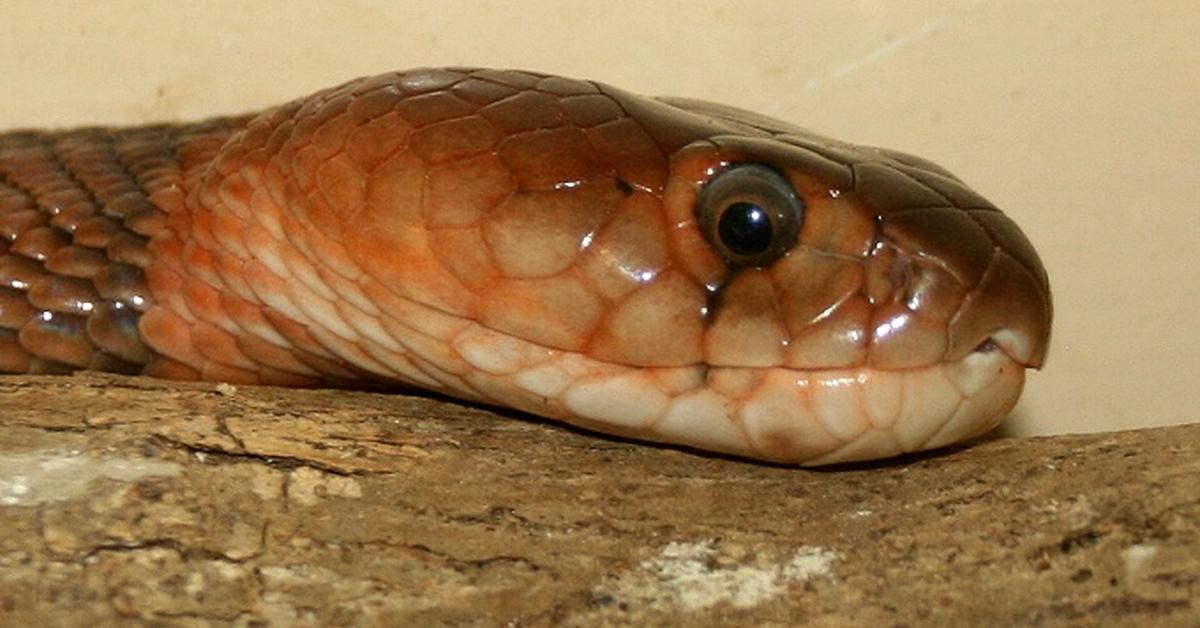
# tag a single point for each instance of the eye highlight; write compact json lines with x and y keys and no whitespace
{"x":750,"y":214}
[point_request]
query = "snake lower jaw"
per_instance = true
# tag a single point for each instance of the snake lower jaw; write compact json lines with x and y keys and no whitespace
{"x":866,"y":414}
{"x":791,"y":416}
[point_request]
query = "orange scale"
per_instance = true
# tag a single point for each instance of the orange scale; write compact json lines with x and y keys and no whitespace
{"x":393,"y":194}
{"x":836,"y":341}
{"x":170,"y":334}
{"x":166,"y":286}
{"x":809,"y":283}
{"x":351,"y":352}
{"x":234,"y":192}
{"x":427,"y":320}
{"x":372,"y":142}
{"x":275,"y":182}
{"x":196,"y":228}
{"x":556,"y":312}
{"x":254,"y":166}
{"x":400,"y":257}
{"x":835,"y":223}
{"x":696,"y":163}
{"x":465,"y":254}
{"x":539,"y":234}
{"x":342,"y":183}
{"x":269,"y":356}
{"x":900,"y":338}
{"x":205,"y":303}
{"x":304,"y":164}
{"x":230,"y":275}
{"x":331,"y":252}
{"x":198,"y":261}
{"x":312,"y":211}
{"x":366,"y":85}
{"x":271,"y":290}
{"x":547,"y":158}
{"x":250,"y":319}
{"x":198,"y":152}
{"x":219,"y":346}
{"x":447,"y":381}
{"x":298,"y":337}
{"x":266,"y":212}
{"x":659,"y":324}
{"x":319,"y":311}
{"x":401,"y":366}
{"x":458,"y":194}
{"x":229,"y":232}
{"x":299,"y":267}
{"x":454,"y":139}
{"x":735,"y":383}
{"x":206,"y":193}
{"x":748,"y":329}
{"x":629,"y":250}
{"x":345,"y":291}
{"x":258,"y":132}
{"x":692,"y":253}
{"x":365,"y":325}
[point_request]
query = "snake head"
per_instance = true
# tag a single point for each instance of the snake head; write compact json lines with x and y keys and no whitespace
{"x":820,"y":254}
{"x":872,"y":289}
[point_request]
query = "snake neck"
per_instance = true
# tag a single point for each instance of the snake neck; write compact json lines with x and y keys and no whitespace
{"x":78,"y":209}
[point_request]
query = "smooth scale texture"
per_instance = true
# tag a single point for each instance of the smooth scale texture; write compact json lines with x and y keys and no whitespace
{"x":528,"y":241}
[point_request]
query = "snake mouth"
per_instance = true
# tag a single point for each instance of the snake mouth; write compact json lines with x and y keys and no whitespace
{"x":831,"y":416}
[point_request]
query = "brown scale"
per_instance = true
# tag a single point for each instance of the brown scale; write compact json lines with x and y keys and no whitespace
{"x":75,"y":217}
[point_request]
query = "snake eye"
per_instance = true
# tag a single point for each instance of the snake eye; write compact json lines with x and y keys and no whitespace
{"x":750,"y":214}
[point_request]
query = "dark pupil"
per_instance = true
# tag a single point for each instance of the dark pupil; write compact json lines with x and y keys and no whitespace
{"x":745,"y":228}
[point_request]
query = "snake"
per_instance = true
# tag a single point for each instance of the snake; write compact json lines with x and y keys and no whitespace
{"x":663,"y":269}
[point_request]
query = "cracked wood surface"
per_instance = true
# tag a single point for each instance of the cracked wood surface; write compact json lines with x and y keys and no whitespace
{"x":130,"y":499}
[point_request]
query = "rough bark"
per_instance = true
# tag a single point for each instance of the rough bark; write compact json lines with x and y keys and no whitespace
{"x":138,"y":501}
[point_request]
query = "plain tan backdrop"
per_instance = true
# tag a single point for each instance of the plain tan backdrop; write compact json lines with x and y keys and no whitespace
{"x":1079,"y":118}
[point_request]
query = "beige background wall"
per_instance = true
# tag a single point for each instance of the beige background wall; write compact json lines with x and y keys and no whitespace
{"x":1080,"y":118}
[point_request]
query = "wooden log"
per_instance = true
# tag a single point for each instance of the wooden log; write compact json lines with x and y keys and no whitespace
{"x":139,"y":501}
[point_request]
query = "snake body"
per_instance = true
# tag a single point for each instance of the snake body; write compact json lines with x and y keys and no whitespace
{"x":665,"y":269}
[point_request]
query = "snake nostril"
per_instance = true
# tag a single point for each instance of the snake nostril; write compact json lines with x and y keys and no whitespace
{"x":1011,"y":342}
{"x":987,"y":346}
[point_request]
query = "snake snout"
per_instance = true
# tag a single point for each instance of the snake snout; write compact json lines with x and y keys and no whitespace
{"x":1007,"y":310}
{"x":974,"y":274}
